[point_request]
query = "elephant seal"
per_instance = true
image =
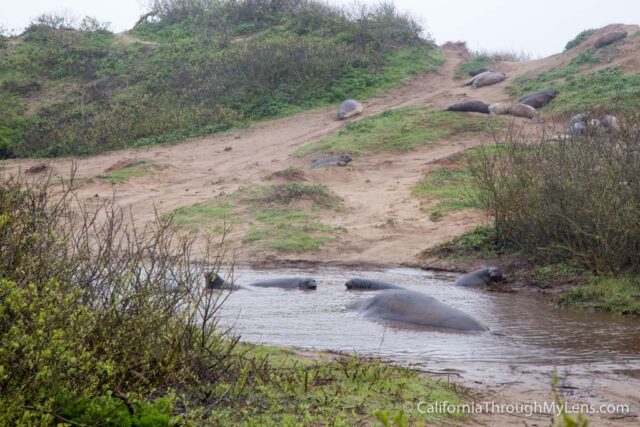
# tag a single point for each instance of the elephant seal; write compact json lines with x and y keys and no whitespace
{"x":538,"y":99}
{"x":215,"y":281}
{"x":369,"y":285}
{"x":349,"y":108}
{"x":609,"y":122}
{"x":484,"y":276}
{"x":341,"y":160}
{"x":419,"y":309}
{"x":585,"y":122}
{"x":487,"y":78}
{"x":305,"y":283}
{"x":470,"y":106}
{"x":519,"y":110}
{"x":480,"y":70}
{"x":609,"y":38}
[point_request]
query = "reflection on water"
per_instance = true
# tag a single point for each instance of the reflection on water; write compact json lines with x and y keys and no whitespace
{"x":524,"y":329}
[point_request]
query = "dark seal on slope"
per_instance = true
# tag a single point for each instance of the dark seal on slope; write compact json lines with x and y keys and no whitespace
{"x":539,"y":99}
{"x":470,"y":106}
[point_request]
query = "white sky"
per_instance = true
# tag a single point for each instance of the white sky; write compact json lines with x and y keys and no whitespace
{"x":539,"y":27}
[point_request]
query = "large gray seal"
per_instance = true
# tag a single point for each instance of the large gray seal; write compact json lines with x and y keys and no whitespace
{"x":349,"y":108}
{"x":609,"y":38}
{"x":341,"y":160}
{"x":470,"y":106}
{"x":539,"y":99}
{"x":484,"y":276}
{"x":415,"y":308}
{"x":518,"y":110}
{"x":305,"y":283}
{"x":358,"y":284}
{"x":487,"y":78}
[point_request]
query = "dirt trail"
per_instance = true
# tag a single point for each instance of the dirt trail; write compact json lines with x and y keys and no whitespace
{"x":384,"y":223}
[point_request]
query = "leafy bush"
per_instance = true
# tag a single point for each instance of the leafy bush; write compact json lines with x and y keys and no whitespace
{"x":212,"y":64}
{"x":573,"y":200}
{"x":579,"y":39}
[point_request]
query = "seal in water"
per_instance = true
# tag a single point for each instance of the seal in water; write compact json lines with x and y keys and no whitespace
{"x":341,"y":160}
{"x":305,"y":283}
{"x":538,"y":99}
{"x":487,"y":78}
{"x":470,"y":106}
{"x":484,"y":276}
{"x":609,"y":38}
{"x":519,"y":110}
{"x":214,"y":281}
{"x":369,"y":285}
{"x":349,"y":108}
{"x":416,"y":308}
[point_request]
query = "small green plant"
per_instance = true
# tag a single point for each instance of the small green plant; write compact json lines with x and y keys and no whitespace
{"x":401,"y":130}
{"x":619,"y":295}
{"x":450,"y":187}
{"x":579,"y":39}
{"x":565,"y":419}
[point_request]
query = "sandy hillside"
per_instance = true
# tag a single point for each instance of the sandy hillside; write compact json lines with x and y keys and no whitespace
{"x":383,"y":222}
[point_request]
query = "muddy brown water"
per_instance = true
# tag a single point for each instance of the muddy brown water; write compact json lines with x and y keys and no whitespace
{"x":524,"y":329}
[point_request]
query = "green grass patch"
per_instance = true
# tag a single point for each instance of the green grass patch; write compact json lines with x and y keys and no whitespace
{"x":579,"y":39}
{"x":619,"y":295}
{"x":399,"y":130}
{"x":471,"y":64}
{"x":580,"y":88}
{"x":282,"y":217}
{"x":452,"y":188}
{"x":337,"y":391}
{"x":481,"y":242}
{"x":136,"y":169}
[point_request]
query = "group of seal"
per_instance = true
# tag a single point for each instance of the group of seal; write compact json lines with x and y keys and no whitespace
{"x":525,"y":107}
{"x":584,"y":123}
{"x":393,"y":303}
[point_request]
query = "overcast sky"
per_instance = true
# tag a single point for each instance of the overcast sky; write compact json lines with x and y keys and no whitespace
{"x":539,"y":27}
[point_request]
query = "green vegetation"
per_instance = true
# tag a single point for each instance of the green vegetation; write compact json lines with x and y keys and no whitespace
{"x":451,"y":187}
{"x":104,"y":327}
{"x":128,"y":170}
{"x":579,"y":39}
{"x":195,"y":68}
{"x":580,"y":88}
{"x":283,"y":217}
{"x":481,"y":242}
{"x":620,"y":295}
{"x":402,"y":129}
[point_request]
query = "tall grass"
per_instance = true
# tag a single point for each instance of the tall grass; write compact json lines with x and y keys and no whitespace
{"x":576,"y":199}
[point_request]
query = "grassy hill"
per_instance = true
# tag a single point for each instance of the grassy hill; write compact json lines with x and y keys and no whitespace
{"x":191,"y":68}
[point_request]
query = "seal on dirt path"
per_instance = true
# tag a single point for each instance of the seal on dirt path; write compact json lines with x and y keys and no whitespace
{"x":518,"y":110}
{"x":341,"y":160}
{"x":538,"y":99}
{"x":349,"y":108}
{"x":483,"y":276}
{"x":358,"y":284}
{"x":304,"y":283}
{"x":487,"y":78}
{"x":470,"y":106}
{"x":609,"y":38}
{"x":406,"y":306}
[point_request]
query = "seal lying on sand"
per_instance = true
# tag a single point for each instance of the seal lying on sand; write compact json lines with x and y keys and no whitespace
{"x":416,"y":308}
{"x":484,"y":276}
{"x":341,"y":160}
{"x":519,"y":110}
{"x":349,"y":108}
{"x":487,"y":78}
{"x":305,"y":283}
{"x":609,"y":38}
{"x":369,"y":285}
{"x":538,"y":99}
{"x":470,"y":106}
